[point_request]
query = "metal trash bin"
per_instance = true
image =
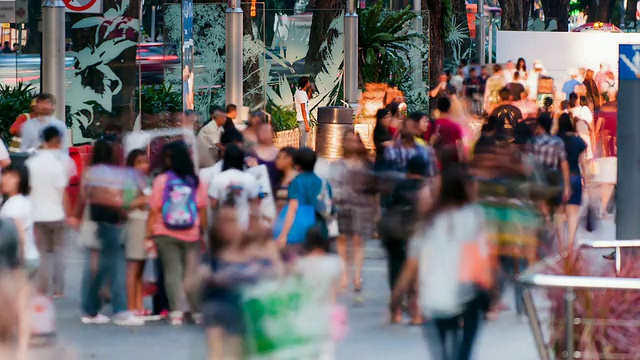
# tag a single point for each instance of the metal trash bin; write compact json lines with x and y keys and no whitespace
{"x":333,"y":121}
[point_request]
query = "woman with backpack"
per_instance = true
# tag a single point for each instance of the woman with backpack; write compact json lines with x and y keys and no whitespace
{"x":177,"y":220}
{"x":451,"y":257}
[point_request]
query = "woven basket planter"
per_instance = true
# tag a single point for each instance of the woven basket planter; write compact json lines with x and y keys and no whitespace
{"x":286,"y":138}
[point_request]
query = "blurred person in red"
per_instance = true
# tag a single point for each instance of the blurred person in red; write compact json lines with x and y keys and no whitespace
{"x":105,"y":187}
{"x":444,"y":133}
{"x":16,"y":127}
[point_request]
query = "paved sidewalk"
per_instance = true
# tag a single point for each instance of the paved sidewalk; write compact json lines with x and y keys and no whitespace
{"x":370,"y":338}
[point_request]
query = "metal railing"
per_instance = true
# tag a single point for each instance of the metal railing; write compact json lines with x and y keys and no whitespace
{"x":533,"y":278}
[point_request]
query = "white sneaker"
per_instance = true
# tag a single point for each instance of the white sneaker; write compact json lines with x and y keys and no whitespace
{"x":98,"y":319}
{"x":127,"y":319}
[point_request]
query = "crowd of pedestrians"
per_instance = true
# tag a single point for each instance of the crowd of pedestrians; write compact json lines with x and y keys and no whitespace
{"x":194,"y":221}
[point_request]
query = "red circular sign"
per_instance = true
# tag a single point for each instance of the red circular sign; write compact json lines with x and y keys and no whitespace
{"x":79,"y":5}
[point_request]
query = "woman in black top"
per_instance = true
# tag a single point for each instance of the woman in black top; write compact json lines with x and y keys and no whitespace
{"x":575,"y":148}
{"x":381,"y":135}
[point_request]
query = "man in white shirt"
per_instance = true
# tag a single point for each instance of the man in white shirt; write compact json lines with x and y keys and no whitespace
{"x":32,"y":130}
{"x":209,"y":134}
{"x":301,"y":98}
{"x":49,"y":173}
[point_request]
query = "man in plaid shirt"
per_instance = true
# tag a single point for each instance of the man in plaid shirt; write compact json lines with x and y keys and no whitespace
{"x":549,"y":151}
{"x":397,"y":155}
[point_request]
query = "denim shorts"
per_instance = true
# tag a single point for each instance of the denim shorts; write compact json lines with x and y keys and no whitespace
{"x":225,"y":315}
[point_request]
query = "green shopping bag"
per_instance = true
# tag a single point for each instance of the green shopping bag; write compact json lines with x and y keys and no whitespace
{"x":284,"y":320}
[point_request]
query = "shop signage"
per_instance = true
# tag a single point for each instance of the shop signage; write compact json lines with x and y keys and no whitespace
{"x":84,"y":6}
{"x":7,"y":11}
{"x":22,"y":11}
{"x":629,"y":64}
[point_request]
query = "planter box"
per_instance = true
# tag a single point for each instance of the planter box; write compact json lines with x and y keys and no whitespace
{"x":286,"y":138}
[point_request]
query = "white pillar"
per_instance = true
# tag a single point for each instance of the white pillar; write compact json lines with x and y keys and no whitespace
{"x":233,"y":54}
{"x":481,"y":33}
{"x":351,"y":53}
{"x":53,"y":53}
{"x":417,"y":64}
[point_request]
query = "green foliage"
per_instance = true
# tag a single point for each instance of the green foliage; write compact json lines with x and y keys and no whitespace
{"x":385,"y":42}
{"x":282,"y":118}
{"x":157,"y":99}
{"x":13,"y":102}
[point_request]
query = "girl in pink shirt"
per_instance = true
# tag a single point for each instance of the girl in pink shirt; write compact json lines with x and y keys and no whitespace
{"x":177,"y":220}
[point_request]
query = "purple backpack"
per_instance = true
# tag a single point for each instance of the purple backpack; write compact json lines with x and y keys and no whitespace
{"x":179,"y":207}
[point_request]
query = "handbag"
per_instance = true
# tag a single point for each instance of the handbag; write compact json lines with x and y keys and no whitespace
{"x":396,"y":223}
{"x":305,"y":218}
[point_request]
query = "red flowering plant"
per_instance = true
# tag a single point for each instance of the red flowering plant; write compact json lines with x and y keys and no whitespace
{"x":608,"y":320}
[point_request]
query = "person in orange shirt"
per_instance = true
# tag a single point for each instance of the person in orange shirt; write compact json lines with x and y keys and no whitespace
{"x":14,"y":145}
{"x":23,"y":118}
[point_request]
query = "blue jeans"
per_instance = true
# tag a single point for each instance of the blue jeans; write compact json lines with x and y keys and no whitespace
{"x":512,"y":267}
{"x":111,"y":268}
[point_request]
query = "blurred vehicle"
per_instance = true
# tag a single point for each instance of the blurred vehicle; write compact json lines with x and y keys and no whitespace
{"x":153,"y":59}
{"x":15,"y":68}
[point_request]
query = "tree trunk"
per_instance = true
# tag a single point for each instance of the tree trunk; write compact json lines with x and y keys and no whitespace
{"x":630,"y":13}
{"x":459,"y":6}
{"x":513,"y":15}
{"x":527,"y":12}
{"x":605,"y":10}
{"x":34,"y":37}
{"x":322,"y":18}
{"x":436,"y":38}
{"x":557,"y":9}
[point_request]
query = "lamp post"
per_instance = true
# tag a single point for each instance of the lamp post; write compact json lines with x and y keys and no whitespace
{"x":233,"y":53}
{"x":417,"y":64}
{"x":53,"y":51}
{"x":481,"y":33}
{"x":351,"y":54}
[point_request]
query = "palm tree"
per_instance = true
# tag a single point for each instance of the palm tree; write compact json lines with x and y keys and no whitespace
{"x":385,"y":40}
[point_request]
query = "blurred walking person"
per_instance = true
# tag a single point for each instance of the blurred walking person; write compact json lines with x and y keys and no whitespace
{"x":451,"y":257}
{"x":19,"y":208}
{"x":354,"y":195}
{"x":177,"y":220}
{"x":50,"y":170}
{"x":231,"y":265}
{"x":396,"y":227}
{"x":575,"y":148}
{"x":103,"y":187}
{"x":31,"y":130}
{"x":135,"y":237}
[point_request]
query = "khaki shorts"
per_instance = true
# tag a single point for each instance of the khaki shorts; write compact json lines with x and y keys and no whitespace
{"x":134,"y":243}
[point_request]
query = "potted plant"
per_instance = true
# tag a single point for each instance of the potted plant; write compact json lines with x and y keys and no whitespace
{"x":285,"y":126}
{"x":14,"y":100}
{"x":158,"y":103}
{"x":608,"y":318}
